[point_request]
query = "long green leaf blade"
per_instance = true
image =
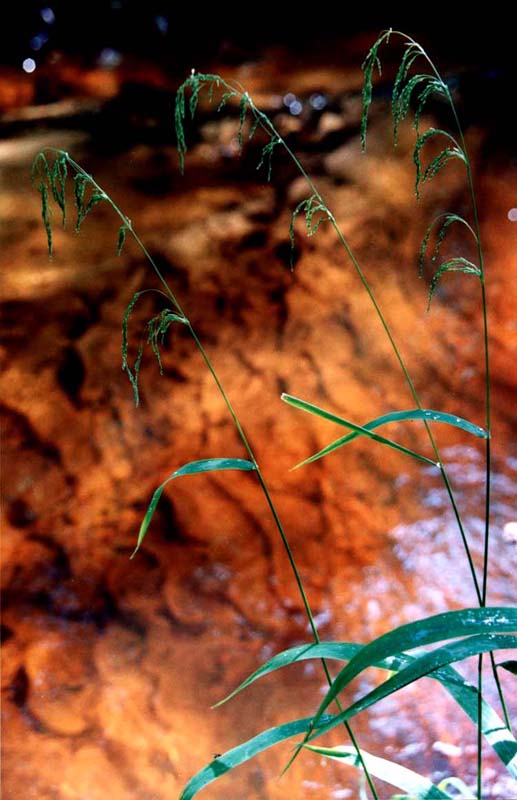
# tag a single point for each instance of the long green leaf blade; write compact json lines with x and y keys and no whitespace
{"x":361,"y":430}
{"x":422,"y":666}
{"x":400,"y":416}
{"x":243,"y":752}
{"x":449,"y":625}
{"x":192,"y":468}
{"x":464,"y":693}
{"x":418,"y":787}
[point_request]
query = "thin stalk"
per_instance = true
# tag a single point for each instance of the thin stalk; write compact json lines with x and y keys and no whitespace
{"x":308,"y":611}
{"x":481,"y":592}
{"x":488,"y":420}
{"x":362,"y":277}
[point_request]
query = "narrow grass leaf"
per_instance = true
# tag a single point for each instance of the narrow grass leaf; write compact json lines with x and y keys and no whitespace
{"x":192,"y":468}
{"x":421,"y":667}
{"x":359,"y":429}
{"x":449,"y":625}
{"x":342,"y":651}
{"x":400,"y":416}
{"x":243,"y":752}
{"x":417,"y":786}
{"x":464,"y":693}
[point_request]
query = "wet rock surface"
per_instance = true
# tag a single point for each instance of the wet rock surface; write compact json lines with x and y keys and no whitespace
{"x":111,"y":665}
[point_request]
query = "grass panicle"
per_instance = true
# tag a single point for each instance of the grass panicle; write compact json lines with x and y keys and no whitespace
{"x":446,"y":220}
{"x":315,"y":213}
{"x":121,"y":239}
{"x":458,"y":264}
{"x":438,"y":161}
{"x":156,"y":329}
{"x":370,"y":63}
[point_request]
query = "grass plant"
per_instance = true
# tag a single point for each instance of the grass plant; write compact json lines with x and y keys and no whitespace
{"x":403,"y":653}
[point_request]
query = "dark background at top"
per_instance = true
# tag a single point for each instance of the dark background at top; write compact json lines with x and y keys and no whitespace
{"x":237,"y":32}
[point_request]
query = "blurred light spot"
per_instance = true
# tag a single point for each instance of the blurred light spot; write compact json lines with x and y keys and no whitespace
{"x":29,"y":65}
{"x":295,"y":108}
{"x":318,"y":101}
{"x":109,"y":58}
{"x":512,"y":215}
{"x":447,"y":749}
{"x":510,"y":532}
{"x":288,"y":99}
{"x":47,"y":15}
{"x":162,"y":23}
{"x":38,"y":41}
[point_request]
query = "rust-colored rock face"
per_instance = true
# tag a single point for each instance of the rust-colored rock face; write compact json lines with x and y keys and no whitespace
{"x":110,"y":665}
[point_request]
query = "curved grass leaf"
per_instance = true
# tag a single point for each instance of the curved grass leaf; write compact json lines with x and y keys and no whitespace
{"x":418,"y":787}
{"x":419,"y":668}
{"x":360,"y":430}
{"x":243,"y":752}
{"x":399,"y":416}
{"x":192,"y":468}
{"x":465,"y":694}
{"x":449,"y":625}
{"x":341,"y":651}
